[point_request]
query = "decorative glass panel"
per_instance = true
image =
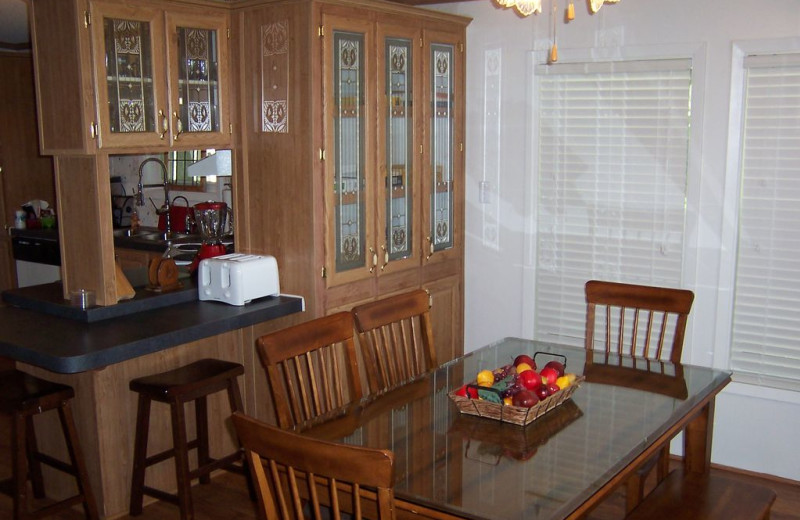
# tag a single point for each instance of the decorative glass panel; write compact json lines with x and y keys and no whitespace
{"x":399,"y":135}
{"x":129,"y":76}
{"x":348,"y":124}
{"x":198,"y":81}
{"x":442,"y":147}
{"x":275,"y":77}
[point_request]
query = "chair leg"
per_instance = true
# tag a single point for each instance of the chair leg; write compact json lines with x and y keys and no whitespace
{"x":34,"y":466}
{"x":181,"y":460}
{"x":20,"y":469}
{"x":201,"y":425}
{"x":662,"y":470}
{"x":235,"y":401}
{"x":140,"y":455}
{"x":77,"y":461}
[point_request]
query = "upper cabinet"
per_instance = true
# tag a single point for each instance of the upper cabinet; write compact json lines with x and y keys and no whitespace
{"x":391,"y":125}
{"x":150,"y":78}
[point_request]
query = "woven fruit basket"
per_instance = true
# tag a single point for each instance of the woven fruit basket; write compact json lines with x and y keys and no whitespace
{"x":509,"y":413}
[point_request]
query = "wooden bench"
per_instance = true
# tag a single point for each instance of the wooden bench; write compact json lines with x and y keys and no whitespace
{"x":696,"y":496}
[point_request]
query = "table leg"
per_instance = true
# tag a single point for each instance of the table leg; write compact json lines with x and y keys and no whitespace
{"x":697,"y":440}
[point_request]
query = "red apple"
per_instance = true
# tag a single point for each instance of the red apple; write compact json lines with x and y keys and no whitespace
{"x":553,"y":388}
{"x":524,"y":358}
{"x":524,"y":398}
{"x":464,"y":391}
{"x":529,"y":379}
{"x":557,"y":365}
{"x":542,"y":392}
{"x":549,"y":375}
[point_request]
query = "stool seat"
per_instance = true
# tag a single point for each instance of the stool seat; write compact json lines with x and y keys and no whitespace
{"x":192,"y":382}
{"x":22,"y":396}
{"x":22,"y":392}
{"x":188,"y":379}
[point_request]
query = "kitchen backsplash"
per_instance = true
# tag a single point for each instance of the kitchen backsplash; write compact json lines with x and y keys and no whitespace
{"x":126,"y":167}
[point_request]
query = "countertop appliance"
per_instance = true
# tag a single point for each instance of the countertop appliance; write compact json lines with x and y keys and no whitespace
{"x":237,"y":278}
{"x":37,"y":255}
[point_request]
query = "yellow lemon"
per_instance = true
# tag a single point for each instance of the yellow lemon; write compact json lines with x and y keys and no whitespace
{"x":571,"y":377}
{"x":522,"y":367}
{"x":562,"y":382}
{"x":485,"y":378}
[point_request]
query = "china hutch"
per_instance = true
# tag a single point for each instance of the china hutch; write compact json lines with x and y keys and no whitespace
{"x":352,"y":131}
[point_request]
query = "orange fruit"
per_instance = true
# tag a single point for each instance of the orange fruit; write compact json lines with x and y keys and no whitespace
{"x":522,"y":367}
{"x":485,"y":378}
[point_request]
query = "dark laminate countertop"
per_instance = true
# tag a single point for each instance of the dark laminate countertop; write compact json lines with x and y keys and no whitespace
{"x":69,"y":346}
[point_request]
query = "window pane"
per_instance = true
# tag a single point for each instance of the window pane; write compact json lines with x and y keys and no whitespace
{"x":612,"y":151}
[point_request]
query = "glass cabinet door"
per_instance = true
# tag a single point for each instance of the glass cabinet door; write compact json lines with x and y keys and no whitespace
{"x":350,"y":245}
{"x":398,"y":154}
{"x":442,"y":166}
{"x":129,"y":60}
{"x":198,"y":59}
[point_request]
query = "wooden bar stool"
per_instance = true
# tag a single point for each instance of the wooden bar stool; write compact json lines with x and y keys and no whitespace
{"x":193,"y":382}
{"x":22,"y":396}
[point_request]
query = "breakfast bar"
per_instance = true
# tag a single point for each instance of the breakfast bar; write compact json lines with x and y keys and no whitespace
{"x":99,"y":359}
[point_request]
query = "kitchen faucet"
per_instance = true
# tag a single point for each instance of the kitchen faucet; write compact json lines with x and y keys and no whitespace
{"x":165,"y":208}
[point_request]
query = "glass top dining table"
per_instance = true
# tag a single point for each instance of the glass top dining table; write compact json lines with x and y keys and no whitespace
{"x":453,"y":465}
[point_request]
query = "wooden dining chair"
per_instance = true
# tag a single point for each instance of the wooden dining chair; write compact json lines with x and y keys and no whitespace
{"x":294,"y":472}
{"x":396,"y":339}
{"x":312,"y":368}
{"x":642,"y":322}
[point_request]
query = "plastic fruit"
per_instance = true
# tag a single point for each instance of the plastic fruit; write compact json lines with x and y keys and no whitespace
{"x":552,"y":388}
{"x":524,"y":358}
{"x":465,"y":391}
{"x":542,"y":392}
{"x":485,"y":378}
{"x":562,"y":382}
{"x":524,"y":398}
{"x":549,"y":375}
{"x":529,"y":379}
{"x":557,"y":365}
{"x":523,"y":367}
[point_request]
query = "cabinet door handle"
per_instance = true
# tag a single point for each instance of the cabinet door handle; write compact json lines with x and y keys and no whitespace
{"x":385,"y":257}
{"x":164,"y":124}
{"x":430,"y":248}
{"x":178,"y":124}
{"x":374,"y":260}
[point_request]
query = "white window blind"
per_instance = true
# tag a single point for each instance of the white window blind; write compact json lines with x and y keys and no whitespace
{"x":766,"y":318}
{"x":612,"y":175}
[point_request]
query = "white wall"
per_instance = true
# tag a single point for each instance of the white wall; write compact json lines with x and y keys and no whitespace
{"x":755,"y":427}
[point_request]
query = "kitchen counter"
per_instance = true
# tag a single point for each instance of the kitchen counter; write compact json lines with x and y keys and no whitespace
{"x":99,"y":359}
{"x":68,"y":346}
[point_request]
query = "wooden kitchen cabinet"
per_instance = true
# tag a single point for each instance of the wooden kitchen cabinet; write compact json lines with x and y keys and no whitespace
{"x":139,"y":75}
{"x":367,"y":146}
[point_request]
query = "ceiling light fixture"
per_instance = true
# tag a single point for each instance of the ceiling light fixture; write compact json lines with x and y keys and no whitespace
{"x":529,"y":7}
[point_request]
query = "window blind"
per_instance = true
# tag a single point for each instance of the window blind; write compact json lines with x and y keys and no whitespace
{"x":612,"y":175}
{"x":766,"y":329}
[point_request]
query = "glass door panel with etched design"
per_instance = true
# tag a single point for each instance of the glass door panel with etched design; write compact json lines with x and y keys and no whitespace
{"x":399,"y":135}
{"x":397,"y":157}
{"x":350,"y":249}
{"x":131,"y":86}
{"x":441,"y":143}
{"x":197,"y":55}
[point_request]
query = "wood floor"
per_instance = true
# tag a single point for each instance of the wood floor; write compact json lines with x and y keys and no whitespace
{"x":227,"y":498}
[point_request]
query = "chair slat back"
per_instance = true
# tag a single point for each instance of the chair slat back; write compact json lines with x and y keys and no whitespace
{"x":312,"y":368}
{"x":396,"y":339}
{"x":639,"y":320}
{"x":290,"y":468}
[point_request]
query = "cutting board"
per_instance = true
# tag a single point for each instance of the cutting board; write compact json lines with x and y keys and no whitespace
{"x":125,"y":290}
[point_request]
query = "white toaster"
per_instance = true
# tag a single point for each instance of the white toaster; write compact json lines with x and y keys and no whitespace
{"x":237,"y":278}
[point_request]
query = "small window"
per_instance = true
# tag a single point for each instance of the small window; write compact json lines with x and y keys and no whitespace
{"x":177,"y":162}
